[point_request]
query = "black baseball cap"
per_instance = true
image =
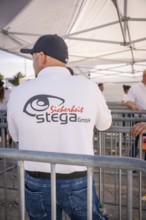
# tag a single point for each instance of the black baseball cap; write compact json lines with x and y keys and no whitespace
{"x":51,"y":45}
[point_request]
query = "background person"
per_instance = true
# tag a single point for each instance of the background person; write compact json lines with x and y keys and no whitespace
{"x":136,"y":100}
{"x":136,"y":97}
{"x":4,"y":97}
{"x":139,"y":129}
{"x":125,"y":89}
{"x":101,"y":87}
{"x":56,"y":115}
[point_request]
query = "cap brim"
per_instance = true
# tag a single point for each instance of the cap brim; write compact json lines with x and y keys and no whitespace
{"x":25,"y":50}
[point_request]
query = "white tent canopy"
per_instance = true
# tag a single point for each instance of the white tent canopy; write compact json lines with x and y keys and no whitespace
{"x":106,"y":38}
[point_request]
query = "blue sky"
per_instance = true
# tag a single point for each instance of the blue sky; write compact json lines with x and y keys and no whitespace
{"x":10,"y":65}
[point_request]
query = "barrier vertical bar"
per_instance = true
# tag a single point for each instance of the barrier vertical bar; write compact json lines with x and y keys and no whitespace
{"x":53,"y":192}
{"x":5,"y":189}
{"x":3,"y":141}
{"x":120,"y":154}
{"x":21,"y":189}
{"x":89,"y":192}
{"x":140,"y":146}
{"x":103,"y":173}
{"x":3,"y":137}
{"x":129,"y":195}
{"x":140,"y":195}
{"x":140,"y":178}
{"x":100,"y":170}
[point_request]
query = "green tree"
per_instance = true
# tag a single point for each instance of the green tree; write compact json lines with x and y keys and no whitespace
{"x":16,"y":79}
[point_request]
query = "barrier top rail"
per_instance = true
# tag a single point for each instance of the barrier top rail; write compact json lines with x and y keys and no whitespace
{"x":122,"y":111}
{"x":4,"y":125}
{"x":118,"y":129}
{"x":75,"y":159}
{"x":132,"y":119}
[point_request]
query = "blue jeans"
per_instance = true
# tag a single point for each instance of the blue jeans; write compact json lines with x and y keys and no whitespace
{"x":71,"y":198}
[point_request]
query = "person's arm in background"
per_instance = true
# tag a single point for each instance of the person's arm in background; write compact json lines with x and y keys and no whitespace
{"x":130,"y":100}
{"x":138,"y":129}
{"x":132,"y":106}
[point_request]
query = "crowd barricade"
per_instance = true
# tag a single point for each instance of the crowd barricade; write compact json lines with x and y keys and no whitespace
{"x":120,"y":180}
{"x":111,"y":143}
{"x":127,"y":117}
{"x":93,"y":164}
{"x":125,"y":120}
{"x":8,"y":171}
{"x":116,"y":105}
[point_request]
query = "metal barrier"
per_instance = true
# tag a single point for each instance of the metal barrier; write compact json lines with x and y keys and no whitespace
{"x":127,"y":117}
{"x":118,"y":140}
{"x":90,"y":162}
{"x":111,"y":143}
{"x":117,"y":186}
{"x":116,"y":105}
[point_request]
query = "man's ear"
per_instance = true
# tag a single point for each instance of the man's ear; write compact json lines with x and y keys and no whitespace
{"x":42,"y":59}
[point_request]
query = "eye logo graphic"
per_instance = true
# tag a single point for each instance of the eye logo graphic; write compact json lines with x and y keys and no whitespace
{"x":40,"y":103}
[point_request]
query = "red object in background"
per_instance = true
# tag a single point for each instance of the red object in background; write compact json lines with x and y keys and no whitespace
{"x":143,"y":143}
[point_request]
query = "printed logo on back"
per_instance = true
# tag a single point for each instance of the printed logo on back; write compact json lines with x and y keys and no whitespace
{"x":48,"y":108}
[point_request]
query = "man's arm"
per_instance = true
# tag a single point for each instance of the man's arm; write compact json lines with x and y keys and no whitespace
{"x":138,"y":129}
{"x":132,"y":106}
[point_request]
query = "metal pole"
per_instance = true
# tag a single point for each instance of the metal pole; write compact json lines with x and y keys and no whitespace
{"x":140,"y":178}
{"x":3,"y":141}
{"x":21,"y":189}
{"x":100,"y":170}
{"x":129,"y":195}
{"x":125,"y":18}
{"x":120,"y":154}
{"x":140,"y":194}
{"x":89,"y":192}
{"x":140,"y":146}
{"x":53,"y":192}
